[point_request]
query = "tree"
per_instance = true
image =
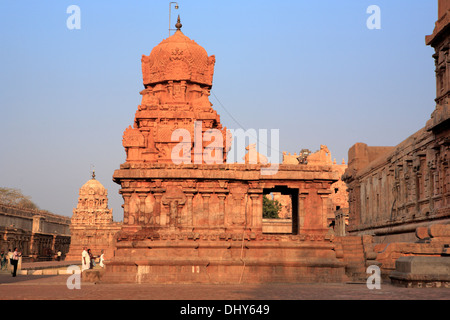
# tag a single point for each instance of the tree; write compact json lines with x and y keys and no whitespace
{"x":15,"y":197}
{"x":271,"y":208}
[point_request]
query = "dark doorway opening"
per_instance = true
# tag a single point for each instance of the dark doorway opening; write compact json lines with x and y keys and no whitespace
{"x":289,"y":222}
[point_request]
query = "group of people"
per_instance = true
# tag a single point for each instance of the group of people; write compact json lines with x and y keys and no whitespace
{"x":10,"y":260}
{"x":88,"y":259}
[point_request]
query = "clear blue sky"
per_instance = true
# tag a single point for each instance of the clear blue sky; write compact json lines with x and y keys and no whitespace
{"x":309,"y":68}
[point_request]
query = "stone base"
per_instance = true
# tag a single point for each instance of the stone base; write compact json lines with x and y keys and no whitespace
{"x":421,"y":271}
{"x":225,"y":262}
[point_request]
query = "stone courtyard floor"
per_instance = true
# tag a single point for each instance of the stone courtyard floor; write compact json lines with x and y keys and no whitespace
{"x":39,"y":287}
{"x":178,"y":301}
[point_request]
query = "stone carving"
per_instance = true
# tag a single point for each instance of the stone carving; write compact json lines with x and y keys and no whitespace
{"x":254,"y":157}
{"x":323,"y":156}
{"x":174,"y":199}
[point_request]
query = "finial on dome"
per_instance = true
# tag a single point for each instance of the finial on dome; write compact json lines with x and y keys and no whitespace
{"x":93,"y":174}
{"x":178,"y":25}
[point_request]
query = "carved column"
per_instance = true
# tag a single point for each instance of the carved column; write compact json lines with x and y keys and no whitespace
{"x":301,"y":209}
{"x":237,"y":216}
{"x":206,"y":213}
{"x":159,"y":219}
{"x":126,"y":207}
{"x":142,"y":197}
{"x":325,"y":207}
{"x":256,"y":217}
{"x":221,"y":217}
{"x":189,"y":214}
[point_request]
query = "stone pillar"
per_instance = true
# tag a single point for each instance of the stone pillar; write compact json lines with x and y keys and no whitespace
{"x":256,"y":213}
{"x":325,"y":209}
{"x":301,"y":209}
{"x":126,"y":207}
{"x":237,"y":216}
{"x":149,"y":209}
{"x":142,"y":219}
{"x":159,"y":218}
{"x":206,"y":213}
{"x":221,"y":217}
{"x":189,"y":209}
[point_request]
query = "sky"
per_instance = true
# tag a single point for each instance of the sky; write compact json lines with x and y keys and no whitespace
{"x":312,"y":69}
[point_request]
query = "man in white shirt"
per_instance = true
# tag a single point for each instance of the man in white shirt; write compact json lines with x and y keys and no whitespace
{"x":85,"y":260}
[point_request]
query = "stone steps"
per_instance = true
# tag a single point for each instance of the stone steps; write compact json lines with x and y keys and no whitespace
{"x":354,"y":258}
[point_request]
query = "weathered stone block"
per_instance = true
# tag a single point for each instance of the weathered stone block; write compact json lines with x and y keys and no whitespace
{"x":421,"y":271}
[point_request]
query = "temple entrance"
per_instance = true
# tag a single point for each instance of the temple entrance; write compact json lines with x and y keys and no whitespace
{"x":285,"y":201}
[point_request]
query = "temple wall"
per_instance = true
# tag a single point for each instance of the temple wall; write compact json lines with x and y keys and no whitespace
{"x":36,"y":233}
{"x":404,"y":188}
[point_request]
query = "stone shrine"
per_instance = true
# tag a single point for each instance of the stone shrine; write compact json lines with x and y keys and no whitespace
{"x":199,"y":220}
{"x":92,"y":222}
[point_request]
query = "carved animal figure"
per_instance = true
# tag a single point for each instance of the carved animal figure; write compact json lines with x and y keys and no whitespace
{"x":253,"y":157}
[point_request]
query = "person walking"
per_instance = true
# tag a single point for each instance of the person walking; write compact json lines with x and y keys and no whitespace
{"x":102,"y":259}
{"x":85,"y":260}
{"x":15,"y":261}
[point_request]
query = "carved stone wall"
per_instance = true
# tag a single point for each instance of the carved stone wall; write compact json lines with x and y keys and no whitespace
{"x":37,"y":234}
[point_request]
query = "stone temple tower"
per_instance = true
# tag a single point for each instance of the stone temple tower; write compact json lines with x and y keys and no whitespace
{"x":92,"y":208}
{"x":177,"y":76}
{"x":92,"y":222}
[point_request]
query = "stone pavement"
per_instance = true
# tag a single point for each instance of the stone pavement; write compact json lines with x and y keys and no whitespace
{"x":31,"y":287}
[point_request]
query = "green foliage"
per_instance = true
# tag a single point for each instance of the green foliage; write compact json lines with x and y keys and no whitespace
{"x":271,"y":208}
{"x":15,"y":197}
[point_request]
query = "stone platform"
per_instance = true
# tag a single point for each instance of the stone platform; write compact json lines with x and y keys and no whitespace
{"x":421,"y":271}
{"x":250,"y":261}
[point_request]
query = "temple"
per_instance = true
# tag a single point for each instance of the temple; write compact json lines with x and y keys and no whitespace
{"x":189,"y":216}
{"x":92,"y":224}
